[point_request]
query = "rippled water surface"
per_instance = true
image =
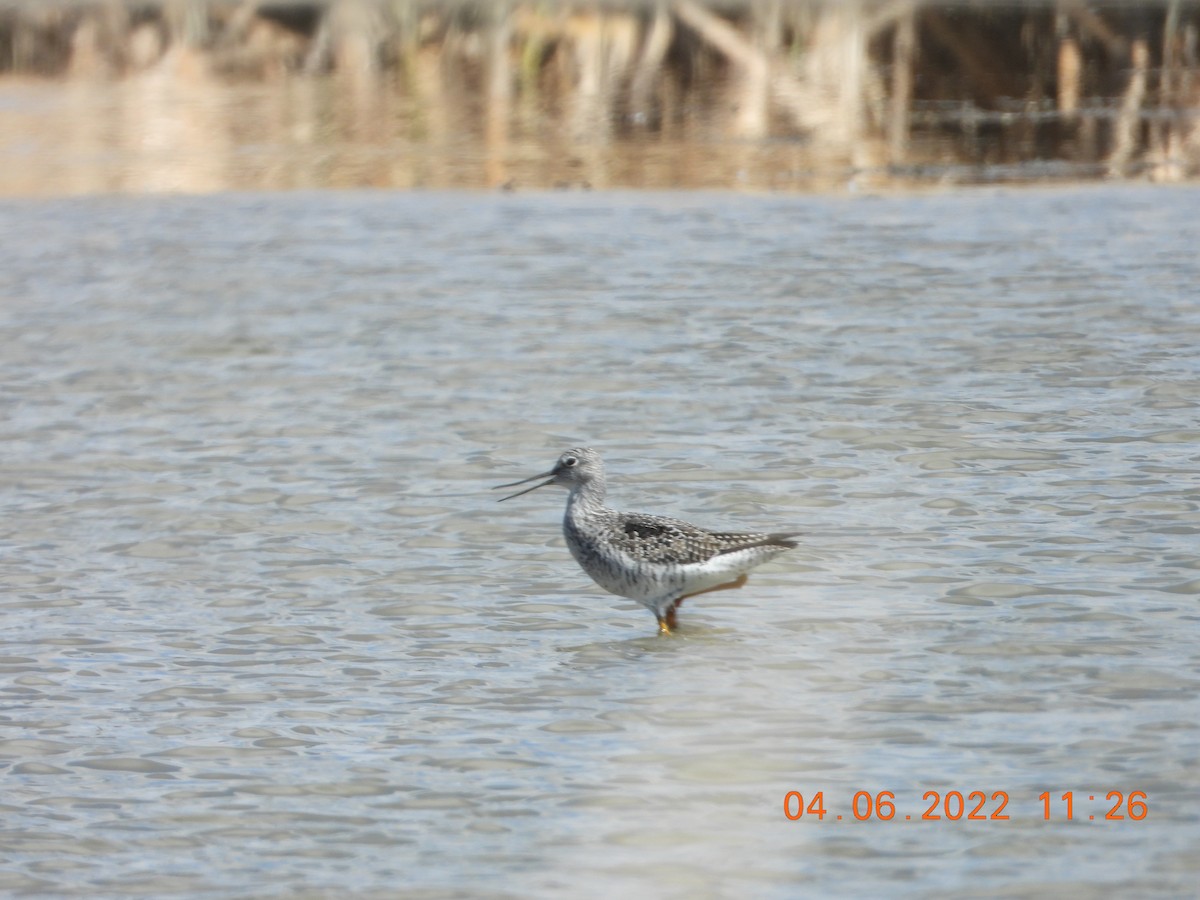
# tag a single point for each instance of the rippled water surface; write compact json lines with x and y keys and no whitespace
{"x":267,"y":633}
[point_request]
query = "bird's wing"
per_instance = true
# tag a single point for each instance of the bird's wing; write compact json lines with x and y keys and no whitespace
{"x":659,"y":539}
{"x":740,"y":540}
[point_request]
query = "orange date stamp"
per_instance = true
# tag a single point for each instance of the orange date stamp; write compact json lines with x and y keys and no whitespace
{"x":970,"y":806}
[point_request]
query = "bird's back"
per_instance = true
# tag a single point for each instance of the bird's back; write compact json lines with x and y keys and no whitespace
{"x":661,"y":540}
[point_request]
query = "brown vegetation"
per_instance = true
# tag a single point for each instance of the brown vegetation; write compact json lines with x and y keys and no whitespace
{"x":883,"y":87}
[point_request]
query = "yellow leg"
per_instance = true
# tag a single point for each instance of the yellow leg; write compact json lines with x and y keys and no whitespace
{"x":728,"y":586}
{"x":666,"y":622}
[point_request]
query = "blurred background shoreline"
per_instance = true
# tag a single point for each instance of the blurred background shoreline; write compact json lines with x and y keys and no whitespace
{"x":201,"y":96}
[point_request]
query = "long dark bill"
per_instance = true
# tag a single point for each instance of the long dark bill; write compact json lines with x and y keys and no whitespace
{"x":525,"y":481}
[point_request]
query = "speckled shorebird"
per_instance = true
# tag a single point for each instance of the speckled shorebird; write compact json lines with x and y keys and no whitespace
{"x":655,"y":560}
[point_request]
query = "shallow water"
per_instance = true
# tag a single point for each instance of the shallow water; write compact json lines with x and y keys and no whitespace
{"x":266,"y":632}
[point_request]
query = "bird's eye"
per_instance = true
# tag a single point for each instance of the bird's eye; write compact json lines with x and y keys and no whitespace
{"x":570,"y":461}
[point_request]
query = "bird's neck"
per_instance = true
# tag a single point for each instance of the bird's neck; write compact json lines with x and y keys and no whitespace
{"x":585,"y":497}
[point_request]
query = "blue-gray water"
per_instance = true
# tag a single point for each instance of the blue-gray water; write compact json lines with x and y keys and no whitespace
{"x":267,"y":633}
